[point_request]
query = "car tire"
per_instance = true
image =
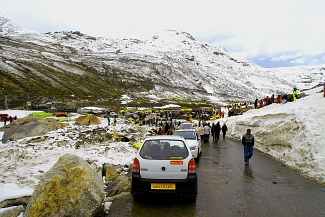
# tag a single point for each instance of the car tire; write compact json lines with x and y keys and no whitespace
{"x":197,"y":159}
{"x":137,"y":197}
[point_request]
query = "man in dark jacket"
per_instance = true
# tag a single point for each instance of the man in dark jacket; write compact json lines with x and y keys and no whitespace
{"x":248,"y":143}
{"x":224,"y":130}
{"x":217,"y":131}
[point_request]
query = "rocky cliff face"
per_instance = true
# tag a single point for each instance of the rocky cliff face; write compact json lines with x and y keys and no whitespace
{"x":170,"y":66}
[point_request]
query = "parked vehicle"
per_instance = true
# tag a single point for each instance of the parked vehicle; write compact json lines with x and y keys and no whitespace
{"x":186,"y":126}
{"x":164,"y":165}
{"x":113,"y":114}
{"x":193,"y":140}
{"x":162,"y":121}
{"x":179,"y":121}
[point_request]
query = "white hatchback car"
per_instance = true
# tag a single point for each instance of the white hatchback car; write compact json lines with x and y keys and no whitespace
{"x":193,"y":140}
{"x":164,"y":165}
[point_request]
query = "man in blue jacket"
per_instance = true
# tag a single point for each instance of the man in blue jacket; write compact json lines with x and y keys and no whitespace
{"x":248,"y":143}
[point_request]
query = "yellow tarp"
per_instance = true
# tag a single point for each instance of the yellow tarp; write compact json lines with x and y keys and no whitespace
{"x":88,"y":119}
{"x":138,"y":144}
{"x":42,"y":114}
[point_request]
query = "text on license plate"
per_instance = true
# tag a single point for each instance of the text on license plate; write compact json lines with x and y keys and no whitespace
{"x":163,"y":186}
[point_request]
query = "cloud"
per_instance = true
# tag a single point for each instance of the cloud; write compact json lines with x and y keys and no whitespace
{"x":286,"y":57}
{"x":299,"y":60}
{"x":251,"y":29}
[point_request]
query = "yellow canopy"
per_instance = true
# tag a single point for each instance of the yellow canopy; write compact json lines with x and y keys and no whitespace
{"x":88,"y":119}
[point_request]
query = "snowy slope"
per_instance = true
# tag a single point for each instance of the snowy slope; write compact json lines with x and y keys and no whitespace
{"x":7,"y":26}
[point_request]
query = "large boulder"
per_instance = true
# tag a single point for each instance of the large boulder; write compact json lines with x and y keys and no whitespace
{"x":70,"y":188}
{"x":30,"y":127}
{"x":27,"y":130}
{"x":14,"y":211}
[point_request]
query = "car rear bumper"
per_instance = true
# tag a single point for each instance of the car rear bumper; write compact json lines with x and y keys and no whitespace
{"x":183,"y":186}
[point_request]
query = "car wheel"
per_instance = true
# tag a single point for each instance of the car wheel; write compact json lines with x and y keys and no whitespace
{"x":197,"y":159}
{"x":137,"y":197}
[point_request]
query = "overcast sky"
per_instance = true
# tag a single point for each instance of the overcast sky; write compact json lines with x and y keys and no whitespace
{"x":271,"y":33}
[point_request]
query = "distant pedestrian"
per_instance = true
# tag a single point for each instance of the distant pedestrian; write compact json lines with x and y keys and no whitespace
{"x":161,"y":131}
{"x":200,"y":131}
{"x":248,"y":143}
{"x":108,"y":121}
{"x":224,"y":130}
{"x":213,"y":129}
{"x":217,"y":131}
{"x":256,"y":103}
{"x":115,"y":121}
{"x":167,"y":128}
{"x":207,"y":130}
{"x":295,"y":94}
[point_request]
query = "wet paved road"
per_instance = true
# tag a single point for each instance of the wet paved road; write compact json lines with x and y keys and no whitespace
{"x":227,"y":187}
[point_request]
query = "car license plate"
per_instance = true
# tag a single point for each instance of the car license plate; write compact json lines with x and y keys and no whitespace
{"x":163,"y":186}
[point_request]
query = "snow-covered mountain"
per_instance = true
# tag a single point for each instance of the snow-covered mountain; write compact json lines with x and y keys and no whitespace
{"x":7,"y":26}
{"x":169,"y":66}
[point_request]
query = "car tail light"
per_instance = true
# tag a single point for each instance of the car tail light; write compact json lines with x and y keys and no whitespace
{"x":191,"y":166}
{"x":136,"y":166}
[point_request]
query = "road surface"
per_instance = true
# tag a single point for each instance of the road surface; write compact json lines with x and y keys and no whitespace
{"x":227,"y":187}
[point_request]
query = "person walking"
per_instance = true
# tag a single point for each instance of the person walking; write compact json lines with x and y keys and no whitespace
{"x":213,"y":129}
{"x":248,"y":143}
{"x":217,"y":131}
{"x":224,"y":130}
{"x":200,"y":131}
{"x":207,"y":130}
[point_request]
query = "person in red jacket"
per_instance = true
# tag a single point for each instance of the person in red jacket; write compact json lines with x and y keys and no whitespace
{"x":161,"y":132}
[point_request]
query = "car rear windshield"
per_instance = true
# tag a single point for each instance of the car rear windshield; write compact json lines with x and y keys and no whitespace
{"x":185,"y":134}
{"x":186,"y":126}
{"x":164,"y":150}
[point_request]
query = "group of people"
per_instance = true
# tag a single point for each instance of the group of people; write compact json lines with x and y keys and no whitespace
{"x":205,"y":130}
{"x":247,"y":140}
{"x":279,"y":99}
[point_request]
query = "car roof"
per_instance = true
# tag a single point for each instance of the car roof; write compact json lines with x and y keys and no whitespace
{"x":193,"y":130}
{"x":165,"y":137}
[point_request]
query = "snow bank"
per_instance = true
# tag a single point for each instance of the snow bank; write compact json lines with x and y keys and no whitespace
{"x":293,"y":133}
{"x":22,"y":162}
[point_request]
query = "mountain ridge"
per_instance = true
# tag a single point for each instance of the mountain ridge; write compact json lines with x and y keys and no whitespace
{"x":171,"y":65}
